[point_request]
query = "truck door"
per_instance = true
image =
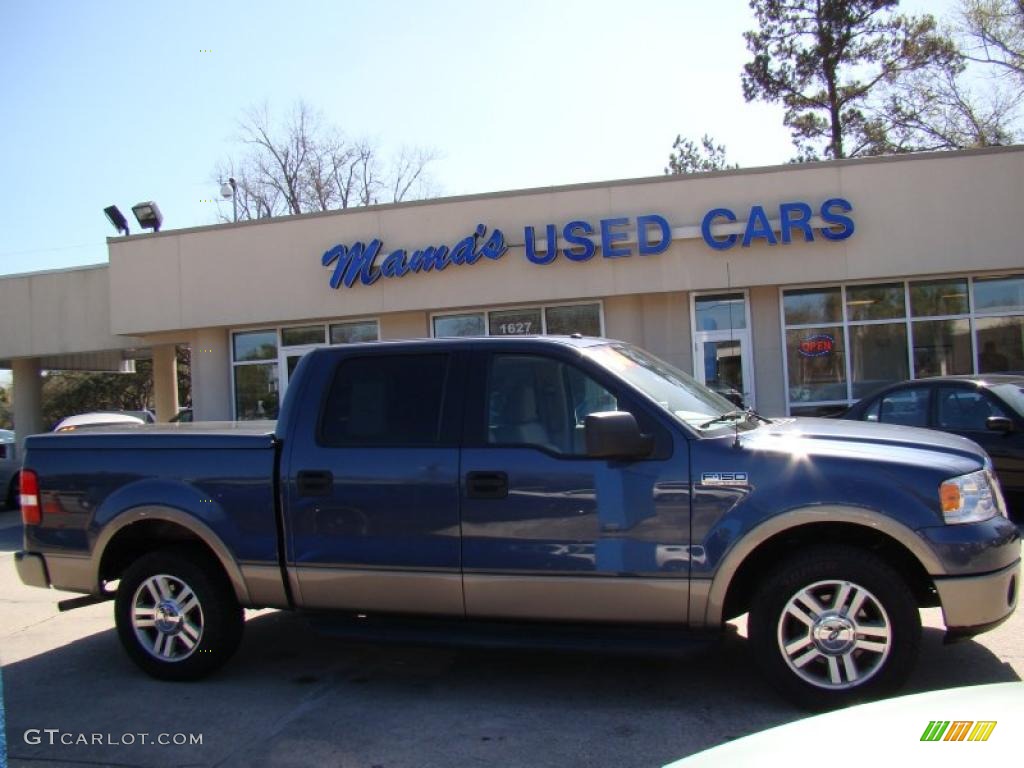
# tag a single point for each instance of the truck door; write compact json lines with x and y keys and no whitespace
{"x":549,"y":533}
{"x":372,"y":490}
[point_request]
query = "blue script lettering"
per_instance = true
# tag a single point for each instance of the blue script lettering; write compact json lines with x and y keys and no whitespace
{"x":358,"y":261}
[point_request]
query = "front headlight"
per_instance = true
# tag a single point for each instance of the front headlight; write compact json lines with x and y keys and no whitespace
{"x":971,"y":498}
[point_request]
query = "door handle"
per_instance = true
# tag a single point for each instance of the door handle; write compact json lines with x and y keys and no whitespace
{"x":487,"y":485}
{"x":315,"y":482}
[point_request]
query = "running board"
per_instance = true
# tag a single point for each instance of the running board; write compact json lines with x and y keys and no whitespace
{"x":619,"y":639}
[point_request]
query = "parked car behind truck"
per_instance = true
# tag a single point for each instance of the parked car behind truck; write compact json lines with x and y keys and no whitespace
{"x":9,"y":466}
{"x":549,"y":483}
{"x":987,"y":408}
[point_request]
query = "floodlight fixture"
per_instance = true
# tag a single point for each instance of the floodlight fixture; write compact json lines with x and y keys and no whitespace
{"x":115,"y":217}
{"x":148,"y":215}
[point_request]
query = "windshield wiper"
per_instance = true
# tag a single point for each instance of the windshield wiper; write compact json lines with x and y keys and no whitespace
{"x":749,"y":413}
{"x":727,"y":416}
{"x":755,"y":415}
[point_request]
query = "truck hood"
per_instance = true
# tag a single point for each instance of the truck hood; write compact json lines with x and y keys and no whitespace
{"x":810,"y":437}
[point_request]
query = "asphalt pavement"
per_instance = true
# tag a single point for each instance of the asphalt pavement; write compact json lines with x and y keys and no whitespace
{"x":292,"y":697}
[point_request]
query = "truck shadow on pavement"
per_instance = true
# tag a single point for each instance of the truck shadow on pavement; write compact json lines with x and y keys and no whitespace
{"x":295,"y":697}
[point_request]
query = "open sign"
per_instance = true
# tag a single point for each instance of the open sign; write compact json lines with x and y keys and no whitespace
{"x":818,"y":345}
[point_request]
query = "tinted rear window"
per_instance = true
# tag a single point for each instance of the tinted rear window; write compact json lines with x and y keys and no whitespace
{"x":385,"y":400}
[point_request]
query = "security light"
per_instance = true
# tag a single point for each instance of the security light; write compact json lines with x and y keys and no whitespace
{"x":148,"y":215}
{"x":115,"y":217}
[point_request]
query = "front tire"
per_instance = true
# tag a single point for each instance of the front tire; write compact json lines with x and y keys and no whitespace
{"x":177,"y":616}
{"x":834,"y":625}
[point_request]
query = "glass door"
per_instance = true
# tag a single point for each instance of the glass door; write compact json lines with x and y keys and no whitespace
{"x":722,"y":348}
{"x":290,"y":357}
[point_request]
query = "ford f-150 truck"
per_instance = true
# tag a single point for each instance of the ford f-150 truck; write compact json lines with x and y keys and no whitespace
{"x":544,"y":484}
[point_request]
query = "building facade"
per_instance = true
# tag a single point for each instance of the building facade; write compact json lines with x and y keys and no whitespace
{"x":798,"y":288}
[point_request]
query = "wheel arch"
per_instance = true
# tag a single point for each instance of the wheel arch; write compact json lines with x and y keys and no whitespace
{"x":732,"y":586}
{"x":141,"y":530}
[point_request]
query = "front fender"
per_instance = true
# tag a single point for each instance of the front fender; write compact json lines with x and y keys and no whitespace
{"x":713,"y":592}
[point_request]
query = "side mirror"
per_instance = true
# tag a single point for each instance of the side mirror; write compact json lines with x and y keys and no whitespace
{"x":999,"y":424}
{"x":616,"y":435}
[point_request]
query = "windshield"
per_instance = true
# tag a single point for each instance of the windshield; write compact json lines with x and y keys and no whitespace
{"x":677,"y":392}
{"x":1012,"y":395}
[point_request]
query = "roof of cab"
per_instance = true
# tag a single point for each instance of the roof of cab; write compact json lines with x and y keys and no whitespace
{"x":575,"y":340}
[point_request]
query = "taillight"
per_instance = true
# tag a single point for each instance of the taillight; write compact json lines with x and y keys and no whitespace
{"x":30,"y":514}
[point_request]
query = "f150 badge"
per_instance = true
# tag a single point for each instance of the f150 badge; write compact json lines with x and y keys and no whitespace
{"x":725,"y":478}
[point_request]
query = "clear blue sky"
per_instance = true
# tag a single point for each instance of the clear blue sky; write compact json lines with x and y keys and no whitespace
{"x":117,"y":102}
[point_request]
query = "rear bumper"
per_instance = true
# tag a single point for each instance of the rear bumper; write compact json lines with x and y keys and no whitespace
{"x":974,"y":604}
{"x":31,"y":569}
{"x":72,"y":574}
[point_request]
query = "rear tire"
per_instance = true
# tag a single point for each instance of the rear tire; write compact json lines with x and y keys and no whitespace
{"x":834,"y":625}
{"x":177,"y":615}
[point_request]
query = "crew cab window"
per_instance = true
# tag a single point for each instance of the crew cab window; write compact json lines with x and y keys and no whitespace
{"x":908,"y":407}
{"x":385,"y":400}
{"x":965,"y":409}
{"x":541,"y":402}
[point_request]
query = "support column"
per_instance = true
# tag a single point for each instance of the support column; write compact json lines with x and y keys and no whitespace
{"x":28,"y":399}
{"x":165,"y":381}
{"x":211,"y":375}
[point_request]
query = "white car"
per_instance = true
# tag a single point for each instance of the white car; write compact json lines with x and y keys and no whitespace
{"x":97,"y":419}
{"x":9,"y":466}
{"x":895,"y":728}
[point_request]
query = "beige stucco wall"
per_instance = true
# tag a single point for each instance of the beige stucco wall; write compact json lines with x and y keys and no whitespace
{"x":919,"y":215}
{"x":211,"y":374}
{"x":659,"y":323}
{"x":58,"y":313}
{"x":915,"y":215}
{"x":766,"y":336}
{"x":405,"y":325}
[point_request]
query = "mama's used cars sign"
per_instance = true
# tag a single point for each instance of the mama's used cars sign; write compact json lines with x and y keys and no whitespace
{"x":579,"y":240}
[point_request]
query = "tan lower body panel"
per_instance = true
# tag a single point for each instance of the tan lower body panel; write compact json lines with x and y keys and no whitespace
{"x":266,"y":589}
{"x":570,"y":598}
{"x":73,"y":574}
{"x":971,"y":601}
{"x":373,"y":591}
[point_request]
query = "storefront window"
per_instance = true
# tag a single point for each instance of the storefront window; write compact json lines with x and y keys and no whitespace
{"x":942,"y":334}
{"x":806,"y":306}
{"x":999,"y":294}
{"x":1000,"y":344}
{"x":722,"y":312}
{"x":561,"y":320}
{"x":304,"y":335}
{"x":256,"y":391}
{"x":575,"y":318}
{"x":816,"y":364}
{"x":352,"y":333}
{"x":262,"y":368}
{"x":875,"y":302}
{"x":878,"y":356}
{"x":459,"y":325}
{"x":255,"y":345}
{"x":514,"y":322}
{"x":939,"y":297}
{"x":942,"y":347}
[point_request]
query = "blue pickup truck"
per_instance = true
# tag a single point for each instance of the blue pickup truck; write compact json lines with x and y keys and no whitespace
{"x":521,"y":487}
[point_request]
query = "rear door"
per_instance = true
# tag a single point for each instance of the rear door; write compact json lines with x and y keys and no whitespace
{"x":373,"y":484}
{"x":549,"y":533}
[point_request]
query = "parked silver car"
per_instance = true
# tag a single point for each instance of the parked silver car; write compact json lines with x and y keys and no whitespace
{"x":9,"y":466}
